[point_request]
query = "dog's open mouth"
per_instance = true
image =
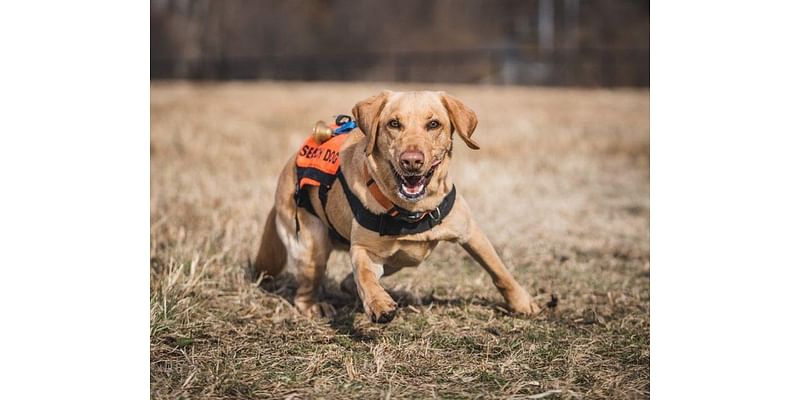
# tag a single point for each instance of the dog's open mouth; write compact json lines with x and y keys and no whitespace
{"x":412,"y":187}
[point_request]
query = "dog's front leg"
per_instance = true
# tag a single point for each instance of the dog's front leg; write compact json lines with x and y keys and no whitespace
{"x":378,"y":305}
{"x":479,"y":247}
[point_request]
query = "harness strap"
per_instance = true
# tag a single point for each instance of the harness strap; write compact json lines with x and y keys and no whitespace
{"x":391,"y":209}
{"x":386,"y":224}
{"x":323,"y":199}
{"x":302,"y":200}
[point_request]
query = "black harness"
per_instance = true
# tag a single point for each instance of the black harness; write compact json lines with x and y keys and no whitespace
{"x":303,"y":201}
{"x":404,"y":223}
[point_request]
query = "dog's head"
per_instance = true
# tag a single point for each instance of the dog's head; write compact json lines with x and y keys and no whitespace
{"x":410,"y":137}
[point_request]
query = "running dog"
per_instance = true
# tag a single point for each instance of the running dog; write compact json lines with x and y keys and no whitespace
{"x":383,"y":192}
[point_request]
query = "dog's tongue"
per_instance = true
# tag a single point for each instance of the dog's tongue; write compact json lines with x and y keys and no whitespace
{"x":413,"y":184}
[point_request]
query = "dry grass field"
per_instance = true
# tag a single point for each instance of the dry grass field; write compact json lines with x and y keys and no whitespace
{"x":561,"y":185}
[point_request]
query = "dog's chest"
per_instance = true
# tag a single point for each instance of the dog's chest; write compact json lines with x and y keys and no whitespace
{"x":410,"y":254}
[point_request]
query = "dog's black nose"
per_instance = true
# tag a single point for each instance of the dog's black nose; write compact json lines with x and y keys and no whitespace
{"x":412,"y":160}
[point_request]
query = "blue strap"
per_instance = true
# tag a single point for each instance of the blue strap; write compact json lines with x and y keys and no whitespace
{"x":345,"y":127}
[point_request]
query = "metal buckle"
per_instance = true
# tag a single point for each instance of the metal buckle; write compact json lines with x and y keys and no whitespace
{"x":412,"y":217}
{"x":436,"y":214}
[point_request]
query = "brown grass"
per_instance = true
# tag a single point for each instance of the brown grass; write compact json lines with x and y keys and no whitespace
{"x":561,"y":186}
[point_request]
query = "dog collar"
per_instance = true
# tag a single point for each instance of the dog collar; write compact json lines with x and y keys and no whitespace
{"x":392,"y":209}
{"x":396,"y":220}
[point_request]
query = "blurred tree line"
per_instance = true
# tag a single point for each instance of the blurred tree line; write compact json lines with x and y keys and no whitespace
{"x":541,"y":42}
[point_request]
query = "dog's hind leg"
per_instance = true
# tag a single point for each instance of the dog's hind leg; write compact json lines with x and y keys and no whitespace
{"x":308,"y":247}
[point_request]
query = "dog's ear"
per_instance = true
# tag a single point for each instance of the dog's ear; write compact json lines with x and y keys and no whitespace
{"x":366,"y":113}
{"x":462,"y":118}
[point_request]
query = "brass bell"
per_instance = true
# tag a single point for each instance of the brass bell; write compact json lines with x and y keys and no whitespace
{"x":322,"y":132}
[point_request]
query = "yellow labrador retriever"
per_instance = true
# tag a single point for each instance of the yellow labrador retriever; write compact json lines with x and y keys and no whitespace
{"x":390,"y":201}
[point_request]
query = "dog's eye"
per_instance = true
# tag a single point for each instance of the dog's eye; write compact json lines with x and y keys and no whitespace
{"x":394,"y":124}
{"x":433,"y":124}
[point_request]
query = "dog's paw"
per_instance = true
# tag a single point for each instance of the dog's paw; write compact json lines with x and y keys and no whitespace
{"x":316,"y":309}
{"x":381,"y":310}
{"x":524,"y":305}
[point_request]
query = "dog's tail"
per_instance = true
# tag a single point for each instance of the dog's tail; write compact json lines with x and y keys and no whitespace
{"x":272,"y":252}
